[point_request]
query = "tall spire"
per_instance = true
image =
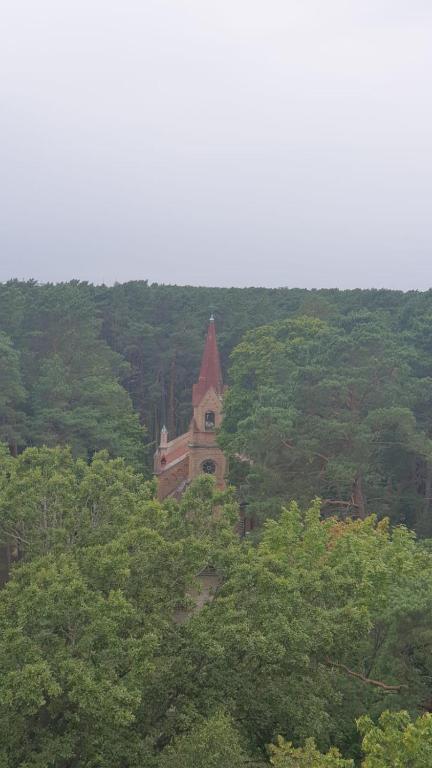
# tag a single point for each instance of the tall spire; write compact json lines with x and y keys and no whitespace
{"x":210,"y":373}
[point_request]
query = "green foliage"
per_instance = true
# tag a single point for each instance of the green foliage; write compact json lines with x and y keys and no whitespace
{"x":313,"y":603}
{"x":109,"y":654}
{"x":89,"y":638}
{"x":12,"y":395}
{"x":213,"y":744}
{"x":66,"y":656}
{"x":49,"y":502}
{"x":114,"y":649}
{"x":331,"y":411}
{"x":332,"y":398}
{"x":397,"y":742}
{"x":284,"y":755}
{"x":71,"y":376}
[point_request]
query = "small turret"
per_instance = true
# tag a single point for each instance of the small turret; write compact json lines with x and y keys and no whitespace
{"x":163,"y":437}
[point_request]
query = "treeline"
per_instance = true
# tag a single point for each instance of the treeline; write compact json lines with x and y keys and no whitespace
{"x":330,"y":391}
{"x":315,"y":651}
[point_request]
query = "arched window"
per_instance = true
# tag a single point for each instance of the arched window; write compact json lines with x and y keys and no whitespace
{"x":209,"y":421}
{"x":208,"y":467}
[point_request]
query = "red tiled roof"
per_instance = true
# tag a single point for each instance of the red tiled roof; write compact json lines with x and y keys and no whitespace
{"x":210,"y":373}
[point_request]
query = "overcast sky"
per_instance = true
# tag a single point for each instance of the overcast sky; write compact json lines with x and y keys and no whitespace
{"x":217,"y":142}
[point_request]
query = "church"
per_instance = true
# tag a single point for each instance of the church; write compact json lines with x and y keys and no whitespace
{"x":178,"y":461}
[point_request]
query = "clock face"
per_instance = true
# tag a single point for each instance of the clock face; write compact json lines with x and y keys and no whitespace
{"x":208,"y":467}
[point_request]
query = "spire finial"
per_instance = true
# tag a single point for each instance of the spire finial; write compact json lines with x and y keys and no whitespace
{"x":212,"y":318}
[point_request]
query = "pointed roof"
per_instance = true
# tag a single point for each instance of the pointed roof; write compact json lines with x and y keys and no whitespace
{"x":210,"y":373}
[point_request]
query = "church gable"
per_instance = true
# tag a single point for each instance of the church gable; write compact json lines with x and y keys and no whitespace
{"x":211,"y":400}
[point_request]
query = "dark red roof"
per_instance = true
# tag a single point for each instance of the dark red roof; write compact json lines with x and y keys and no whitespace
{"x":210,"y":373}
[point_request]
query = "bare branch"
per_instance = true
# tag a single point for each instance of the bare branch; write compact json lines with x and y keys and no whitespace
{"x":366,"y":680}
{"x":13,"y":534}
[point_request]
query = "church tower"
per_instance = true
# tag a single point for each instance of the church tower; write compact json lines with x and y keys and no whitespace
{"x":177,"y":462}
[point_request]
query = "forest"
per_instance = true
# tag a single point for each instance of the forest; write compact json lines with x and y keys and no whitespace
{"x":315,"y":650}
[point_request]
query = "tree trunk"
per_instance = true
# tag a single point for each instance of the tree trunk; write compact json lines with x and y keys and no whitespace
{"x":428,"y":488}
{"x":424,"y":525}
{"x":13,"y":448}
{"x":357,"y":496}
{"x":171,"y":400}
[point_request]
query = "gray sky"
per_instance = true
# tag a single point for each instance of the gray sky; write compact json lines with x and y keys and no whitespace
{"x":217,"y":142}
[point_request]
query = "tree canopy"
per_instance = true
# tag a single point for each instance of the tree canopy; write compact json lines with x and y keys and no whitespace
{"x":106,"y":660}
{"x":138,"y":633}
{"x":333,"y":411}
